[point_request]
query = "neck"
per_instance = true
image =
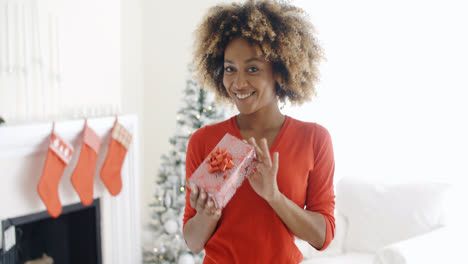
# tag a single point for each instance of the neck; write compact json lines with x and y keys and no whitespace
{"x":265,"y":119}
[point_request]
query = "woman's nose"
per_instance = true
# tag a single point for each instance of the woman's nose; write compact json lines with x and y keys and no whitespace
{"x":240,"y":80}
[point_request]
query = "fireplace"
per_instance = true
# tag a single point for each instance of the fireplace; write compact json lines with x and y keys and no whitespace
{"x":23,"y":149}
{"x":74,"y":237}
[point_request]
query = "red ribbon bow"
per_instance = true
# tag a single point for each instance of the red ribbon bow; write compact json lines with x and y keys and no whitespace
{"x":220,"y":160}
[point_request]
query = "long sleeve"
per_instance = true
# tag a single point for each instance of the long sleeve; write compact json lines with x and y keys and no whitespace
{"x":193,"y":159}
{"x":320,"y":190}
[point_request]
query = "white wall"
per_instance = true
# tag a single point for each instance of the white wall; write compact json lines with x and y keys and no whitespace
{"x":394,"y":88}
{"x":132,"y":77}
{"x":167,"y":43}
{"x":65,"y":56}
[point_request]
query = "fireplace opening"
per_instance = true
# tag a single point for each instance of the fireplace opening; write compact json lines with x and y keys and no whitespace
{"x":73,"y":237}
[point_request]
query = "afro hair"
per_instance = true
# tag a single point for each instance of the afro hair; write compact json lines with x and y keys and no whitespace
{"x":282,"y":32}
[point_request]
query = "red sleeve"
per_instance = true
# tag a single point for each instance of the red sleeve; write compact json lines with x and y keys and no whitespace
{"x":320,"y":191}
{"x":194,"y":158}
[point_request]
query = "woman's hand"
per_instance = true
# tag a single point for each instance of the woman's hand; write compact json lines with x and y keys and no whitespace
{"x":204,"y":205}
{"x":263,"y":179}
{"x":199,"y":229}
{"x":307,"y":225}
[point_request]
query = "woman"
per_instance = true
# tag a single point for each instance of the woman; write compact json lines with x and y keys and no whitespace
{"x":255,"y":55}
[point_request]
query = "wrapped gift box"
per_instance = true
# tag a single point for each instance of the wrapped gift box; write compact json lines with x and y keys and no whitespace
{"x":224,"y":170}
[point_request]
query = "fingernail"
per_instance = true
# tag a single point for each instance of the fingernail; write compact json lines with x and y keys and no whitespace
{"x":195,"y":189}
{"x":203,"y":195}
{"x":210,"y":203}
{"x":218,"y":212}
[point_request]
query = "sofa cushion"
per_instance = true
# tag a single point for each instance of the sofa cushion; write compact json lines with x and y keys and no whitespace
{"x":349,"y":258}
{"x":429,"y":248}
{"x":380,"y":214}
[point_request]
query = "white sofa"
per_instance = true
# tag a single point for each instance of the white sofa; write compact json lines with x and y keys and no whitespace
{"x":383,"y":223}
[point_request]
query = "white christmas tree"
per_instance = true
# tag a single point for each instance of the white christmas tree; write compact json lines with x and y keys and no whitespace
{"x":168,"y":245}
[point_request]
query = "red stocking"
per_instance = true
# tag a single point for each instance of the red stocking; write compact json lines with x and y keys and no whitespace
{"x":82,"y":178}
{"x":110,"y":172}
{"x":58,"y":156}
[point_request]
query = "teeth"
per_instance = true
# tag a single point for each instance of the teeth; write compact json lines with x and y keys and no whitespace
{"x":243,"y":96}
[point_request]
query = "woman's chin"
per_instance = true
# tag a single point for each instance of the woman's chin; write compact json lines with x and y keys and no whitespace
{"x":245,"y":111}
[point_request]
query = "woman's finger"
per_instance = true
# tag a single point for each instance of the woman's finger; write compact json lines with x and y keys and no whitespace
{"x":266,"y":152}
{"x":275,"y":161}
{"x":209,"y":205}
{"x":253,"y":142}
{"x":201,"y":202}
{"x":212,"y":211}
{"x":258,"y":151}
{"x":194,"y":196}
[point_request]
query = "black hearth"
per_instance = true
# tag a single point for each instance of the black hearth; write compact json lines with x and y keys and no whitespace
{"x":72,"y":238}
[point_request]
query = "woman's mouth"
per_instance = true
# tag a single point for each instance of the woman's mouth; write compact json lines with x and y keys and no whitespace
{"x":242,"y":96}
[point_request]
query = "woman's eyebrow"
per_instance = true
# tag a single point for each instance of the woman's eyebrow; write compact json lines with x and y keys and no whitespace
{"x":246,"y":61}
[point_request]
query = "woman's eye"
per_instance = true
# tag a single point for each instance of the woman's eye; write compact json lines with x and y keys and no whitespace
{"x":228,"y":69}
{"x":252,"y":69}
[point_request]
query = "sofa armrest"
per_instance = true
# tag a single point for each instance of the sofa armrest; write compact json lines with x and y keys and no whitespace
{"x":441,"y":245}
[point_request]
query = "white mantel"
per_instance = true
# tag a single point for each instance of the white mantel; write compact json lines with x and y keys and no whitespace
{"x":23,"y":151}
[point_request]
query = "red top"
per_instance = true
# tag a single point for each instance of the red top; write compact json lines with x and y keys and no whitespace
{"x":249,"y":230}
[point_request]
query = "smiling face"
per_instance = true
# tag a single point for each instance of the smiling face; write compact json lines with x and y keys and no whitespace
{"x":248,"y":78}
